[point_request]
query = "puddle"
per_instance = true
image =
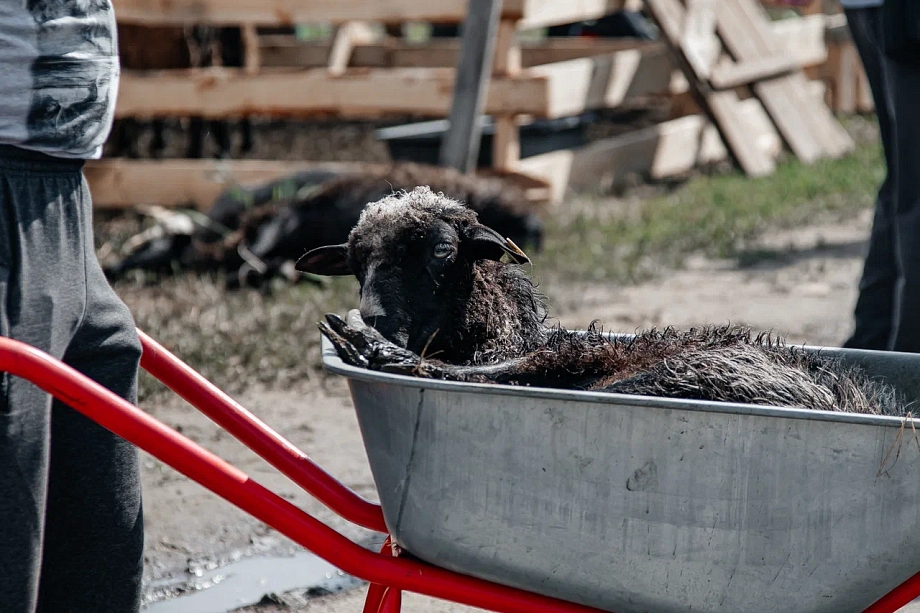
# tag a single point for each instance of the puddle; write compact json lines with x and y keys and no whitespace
{"x":212,"y":589}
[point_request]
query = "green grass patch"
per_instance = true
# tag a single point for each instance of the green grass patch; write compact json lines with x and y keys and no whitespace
{"x":713,"y":215}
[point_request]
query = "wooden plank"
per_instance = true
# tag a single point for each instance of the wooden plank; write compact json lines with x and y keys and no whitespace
{"x":119,"y":184}
{"x":506,"y":142}
{"x":556,"y":90}
{"x":670,"y":148}
{"x":291,"y":12}
{"x":835,"y":138}
{"x":222,"y":92}
{"x":540,"y":13}
{"x":533,"y":13}
{"x":122,"y":184}
{"x":807,"y":126}
{"x":802,"y":38}
{"x":865,"y":103}
{"x":507,"y":50}
{"x":845,"y":75}
{"x":733,"y":74}
{"x":823,"y":125}
{"x":437,"y":53}
{"x":604,"y":81}
{"x":348,"y":36}
{"x":563,"y":48}
{"x":698,"y":40}
{"x":252,"y":59}
{"x":788,"y":117}
{"x":722,"y":106}
{"x":460,"y":146}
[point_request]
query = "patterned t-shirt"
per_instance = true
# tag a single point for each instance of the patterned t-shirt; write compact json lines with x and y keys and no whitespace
{"x":59,"y":79}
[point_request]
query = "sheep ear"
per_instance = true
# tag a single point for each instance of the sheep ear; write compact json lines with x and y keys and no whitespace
{"x":328,"y":261}
{"x":489,"y":244}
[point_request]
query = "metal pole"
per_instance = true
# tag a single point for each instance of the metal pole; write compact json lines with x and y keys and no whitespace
{"x":460,"y":147}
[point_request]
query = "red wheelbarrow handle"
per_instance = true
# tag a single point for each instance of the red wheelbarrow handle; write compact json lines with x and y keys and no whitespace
{"x":137,"y":427}
{"x":249,"y":430}
{"x":134,"y":425}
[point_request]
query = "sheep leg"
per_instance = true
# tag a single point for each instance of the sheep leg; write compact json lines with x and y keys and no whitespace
{"x":361,"y":345}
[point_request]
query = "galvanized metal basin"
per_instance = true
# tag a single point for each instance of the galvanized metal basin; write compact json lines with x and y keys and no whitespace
{"x":635,"y":504}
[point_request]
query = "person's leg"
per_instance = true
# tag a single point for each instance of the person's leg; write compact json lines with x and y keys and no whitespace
{"x":42,"y":300}
{"x":94,"y":537}
{"x":874,"y":309}
{"x":904,"y":89}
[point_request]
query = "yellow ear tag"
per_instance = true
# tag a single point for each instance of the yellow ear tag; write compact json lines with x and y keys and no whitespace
{"x":509,"y":258}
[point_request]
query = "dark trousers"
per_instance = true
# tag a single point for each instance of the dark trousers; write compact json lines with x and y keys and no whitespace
{"x":71,"y":528}
{"x":887,"y":311}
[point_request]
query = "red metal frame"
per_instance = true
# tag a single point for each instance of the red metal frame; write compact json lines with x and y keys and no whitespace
{"x":387,"y":573}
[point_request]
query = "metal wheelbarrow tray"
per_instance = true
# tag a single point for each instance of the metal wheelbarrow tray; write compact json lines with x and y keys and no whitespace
{"x":542,"y":500}
{"x":637,"y":504}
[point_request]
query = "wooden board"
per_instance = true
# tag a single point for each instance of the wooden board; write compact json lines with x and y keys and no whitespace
{"x":605,"y":81}
{"x":436,"y":53}
{"x":728,"y":75}
{"x":122,"y":184}
{"x":532,"y":13}
{"x":809,"y":128}
{"x":668,"y":149}
{"x":802,"y":37}
{"x":221,"y":92}
{"x":555,"y":90}
{"x":723,"y":107}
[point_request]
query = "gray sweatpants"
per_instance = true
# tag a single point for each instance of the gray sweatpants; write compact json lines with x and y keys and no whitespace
{"x":888,"y":308}
{"x":71,"y":528}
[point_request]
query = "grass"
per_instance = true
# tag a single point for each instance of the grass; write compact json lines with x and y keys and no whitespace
{"x":237,"y":339}
{"x":712,"y":215}
{"x":240,"y":338}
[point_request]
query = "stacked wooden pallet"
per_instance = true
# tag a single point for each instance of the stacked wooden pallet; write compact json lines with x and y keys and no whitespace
{"x":361,"y":74}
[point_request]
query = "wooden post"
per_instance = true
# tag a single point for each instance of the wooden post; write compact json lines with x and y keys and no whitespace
{"x":460,"y":148}
{"x":506,"y":143}
{"x":252,"y":58}
{"x":346,"y":38}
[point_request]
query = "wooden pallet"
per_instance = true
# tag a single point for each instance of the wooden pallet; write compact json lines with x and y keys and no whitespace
{"x":725,"y":44}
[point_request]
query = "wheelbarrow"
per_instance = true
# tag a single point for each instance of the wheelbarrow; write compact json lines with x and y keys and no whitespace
{"x":535,"y":500}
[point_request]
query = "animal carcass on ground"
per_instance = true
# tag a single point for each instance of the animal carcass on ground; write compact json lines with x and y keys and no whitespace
{"x":250,"y":233}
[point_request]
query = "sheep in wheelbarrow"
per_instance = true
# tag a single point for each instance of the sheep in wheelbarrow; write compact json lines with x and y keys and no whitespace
{"x":438,"y":300}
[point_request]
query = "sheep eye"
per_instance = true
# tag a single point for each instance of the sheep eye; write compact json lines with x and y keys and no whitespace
{"x":442,"y":250}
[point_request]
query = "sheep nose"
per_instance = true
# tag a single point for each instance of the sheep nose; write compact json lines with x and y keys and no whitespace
{"x":370,"y":306}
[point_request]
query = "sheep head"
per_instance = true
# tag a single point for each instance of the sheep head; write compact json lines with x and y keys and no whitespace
{"x":414,"y":255}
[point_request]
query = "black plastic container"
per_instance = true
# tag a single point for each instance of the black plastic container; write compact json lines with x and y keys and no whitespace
{"x":421,"y":142}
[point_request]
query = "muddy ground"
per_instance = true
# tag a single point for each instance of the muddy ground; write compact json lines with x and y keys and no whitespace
{"x":803,"y":288}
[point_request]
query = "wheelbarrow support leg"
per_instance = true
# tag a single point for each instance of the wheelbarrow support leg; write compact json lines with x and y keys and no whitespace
{"x":374,"y":599}
{"x":392,"y":601}
{"x":380,"y":598}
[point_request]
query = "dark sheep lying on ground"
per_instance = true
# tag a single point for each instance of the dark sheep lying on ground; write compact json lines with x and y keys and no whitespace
{"x":251,"y":233}
{"x":440,"y":303}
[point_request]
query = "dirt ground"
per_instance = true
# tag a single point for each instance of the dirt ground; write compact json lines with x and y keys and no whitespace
{"x":802,"y":283}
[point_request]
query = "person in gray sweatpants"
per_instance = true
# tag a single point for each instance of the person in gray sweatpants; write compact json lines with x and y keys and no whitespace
{"x":71,"y":524}
{"x":887,"y":311}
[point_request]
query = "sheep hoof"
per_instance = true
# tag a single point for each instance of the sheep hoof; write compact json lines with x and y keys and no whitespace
{"x":361,"y":345}
{"x":345,"y":350}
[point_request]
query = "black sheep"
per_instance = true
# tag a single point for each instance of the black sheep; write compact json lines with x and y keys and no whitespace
{"x":442,"y":304}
